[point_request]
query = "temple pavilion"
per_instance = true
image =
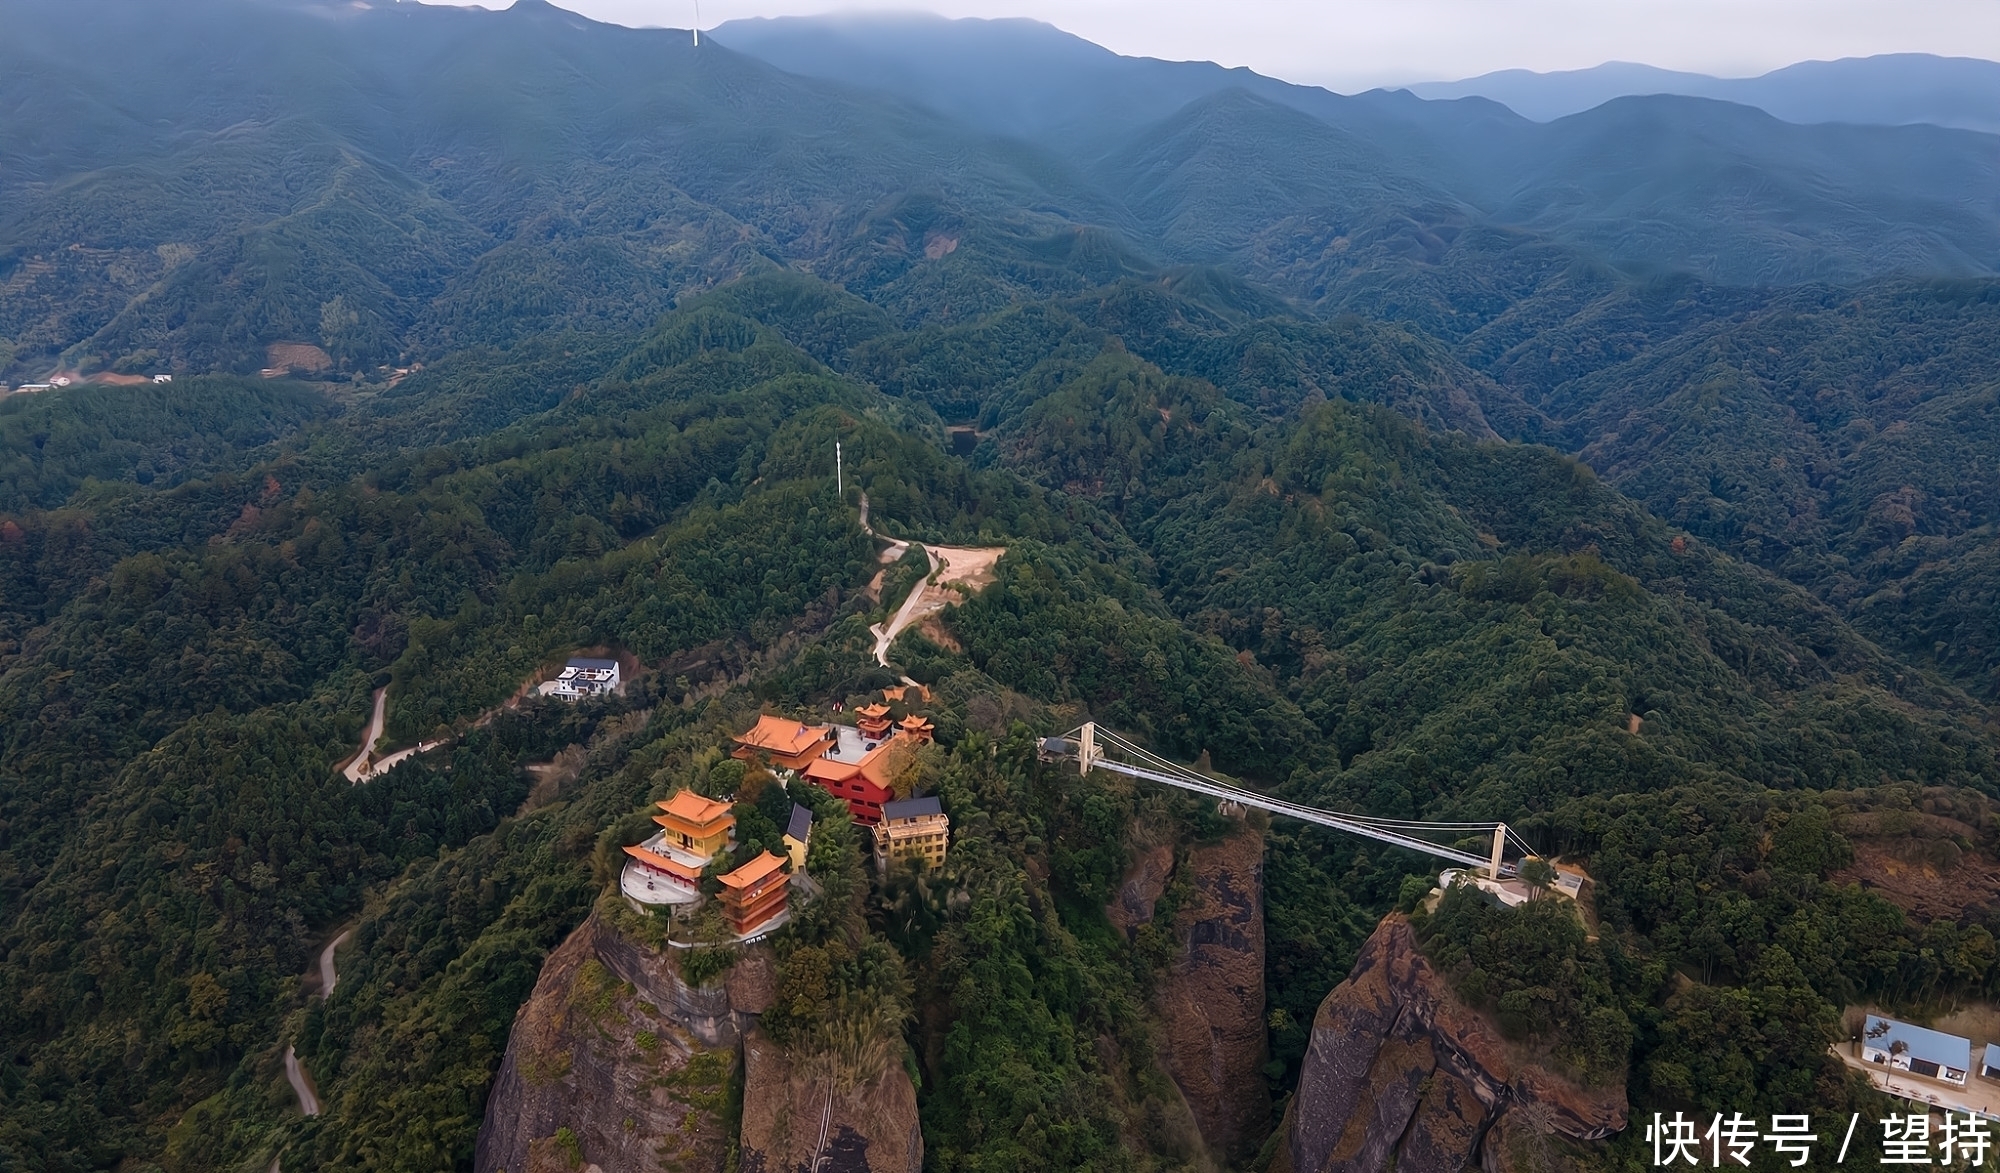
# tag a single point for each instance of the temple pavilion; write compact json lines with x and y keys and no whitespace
{"x":666,"y":869}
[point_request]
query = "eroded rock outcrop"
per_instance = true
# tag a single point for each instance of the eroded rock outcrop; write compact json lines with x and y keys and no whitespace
{"x":1210,"y":1000}
{"x":790,"y":1119}
{"x":614,"y":1061}
{"x":1399,"y":1071}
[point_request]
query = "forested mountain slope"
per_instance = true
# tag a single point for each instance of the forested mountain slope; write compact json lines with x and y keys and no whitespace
{"x":1326,"y":598}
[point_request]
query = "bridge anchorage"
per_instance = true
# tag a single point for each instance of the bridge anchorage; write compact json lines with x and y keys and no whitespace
{"x":1095,"y":748}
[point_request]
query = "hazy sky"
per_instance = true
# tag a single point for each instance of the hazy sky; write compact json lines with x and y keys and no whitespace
{"x":1351,"y":44}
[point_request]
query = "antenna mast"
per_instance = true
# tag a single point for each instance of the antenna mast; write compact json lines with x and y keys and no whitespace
{"x":697,"y":24}
{"x":839,"y":479}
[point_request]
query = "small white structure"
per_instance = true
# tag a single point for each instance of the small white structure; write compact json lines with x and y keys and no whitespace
{"x":583,"y":677}
{"x":1899,"y":1046}
{"x":163,"y":378}
{"x":31,"y":388}
{"x":60,"y":381}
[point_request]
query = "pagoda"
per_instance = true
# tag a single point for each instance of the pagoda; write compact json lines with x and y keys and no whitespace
{"x":699,"y":826}
{"x":873,"y":721}
{"x":917,"y":729}
{"x":754,"y":895}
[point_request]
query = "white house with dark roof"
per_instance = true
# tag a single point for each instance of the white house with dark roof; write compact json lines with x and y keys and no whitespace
{"x":583,"y":677}
{"x":1900,"y":1046}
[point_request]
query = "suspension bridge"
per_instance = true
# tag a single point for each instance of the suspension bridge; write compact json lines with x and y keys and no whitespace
{"x":1093,"y":748}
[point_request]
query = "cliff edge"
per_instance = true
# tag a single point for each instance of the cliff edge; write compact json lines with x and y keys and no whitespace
{"x":615,"y":1062}
{"x":1400,"y":1074}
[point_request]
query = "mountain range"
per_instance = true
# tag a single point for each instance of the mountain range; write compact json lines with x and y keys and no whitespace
{"x":1893,"y":89}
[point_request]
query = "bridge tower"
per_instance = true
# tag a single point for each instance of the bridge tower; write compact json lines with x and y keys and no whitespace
{"x":1499,"y":843}
{"x":1086,"y":747}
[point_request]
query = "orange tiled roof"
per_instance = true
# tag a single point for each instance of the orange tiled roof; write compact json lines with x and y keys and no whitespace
{"x":655,"y":859}
{"x":881,"y":763}
{"x":828,"y":770}
{"x":914,"y":722}
{"x":781,"y":735}
{"x":693,"y":808}
{"x":872,"y":711}
{"x":755,"y":870}
{"x":896,"y":693}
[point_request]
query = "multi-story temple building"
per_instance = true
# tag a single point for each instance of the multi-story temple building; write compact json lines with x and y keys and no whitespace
{"x":666,"y":869}
{"x":754,"y":895}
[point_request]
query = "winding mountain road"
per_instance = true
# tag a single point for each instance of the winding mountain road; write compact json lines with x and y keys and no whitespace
{"x":327,"y":976}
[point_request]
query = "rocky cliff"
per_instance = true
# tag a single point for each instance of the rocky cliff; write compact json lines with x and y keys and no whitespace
{"x":1210,"y":1000}
{"x":615,"y":1062}
{"x":789,"y":1119}
{"x":1400,"y":1075}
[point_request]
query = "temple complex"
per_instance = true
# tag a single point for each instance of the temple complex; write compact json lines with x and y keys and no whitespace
{"x":855,"y":763}
{"x":754,"y":895}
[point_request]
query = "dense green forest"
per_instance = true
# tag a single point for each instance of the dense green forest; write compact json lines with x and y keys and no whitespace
{"x":1376,"y":483}
{"x":1326,"y":598}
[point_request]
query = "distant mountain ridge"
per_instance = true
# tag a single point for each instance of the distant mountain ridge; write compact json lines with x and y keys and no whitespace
{"x":396,"y":182}
{"x":1892,"y":89}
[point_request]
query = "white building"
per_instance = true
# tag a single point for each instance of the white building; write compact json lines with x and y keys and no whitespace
{"x":163,"y":378}
{"x":583,"y":677}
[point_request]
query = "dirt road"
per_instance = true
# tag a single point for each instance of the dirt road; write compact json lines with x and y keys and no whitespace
{"x":951,"y":567}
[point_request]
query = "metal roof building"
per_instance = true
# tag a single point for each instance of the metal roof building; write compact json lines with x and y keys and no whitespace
{"x":1901,"y":1046}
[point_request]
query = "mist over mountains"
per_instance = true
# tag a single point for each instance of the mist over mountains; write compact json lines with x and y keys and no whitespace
{"x":1894,"y":89}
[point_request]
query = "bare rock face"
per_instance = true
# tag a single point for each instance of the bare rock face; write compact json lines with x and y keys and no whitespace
{"x":1145,"y":882}
{"x":613,"y":1062}
{"x":1211,"y":1001}
{"x":790,"y":1120}
{"x":1400,"y":1075}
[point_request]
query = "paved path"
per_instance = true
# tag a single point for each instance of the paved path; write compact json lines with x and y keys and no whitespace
{"x":357,"y":770}
{"x":295,"y":1074}
{"x":327,"y":976}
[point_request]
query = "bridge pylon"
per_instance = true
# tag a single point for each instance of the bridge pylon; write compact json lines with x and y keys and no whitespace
{"x":1499,"y":845}
{"x":1086,"y":747}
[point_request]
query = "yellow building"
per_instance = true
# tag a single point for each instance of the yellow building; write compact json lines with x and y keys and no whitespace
{"x":915,"y":828}
{"x":696,"y":825}
{"x":798,"y":836}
